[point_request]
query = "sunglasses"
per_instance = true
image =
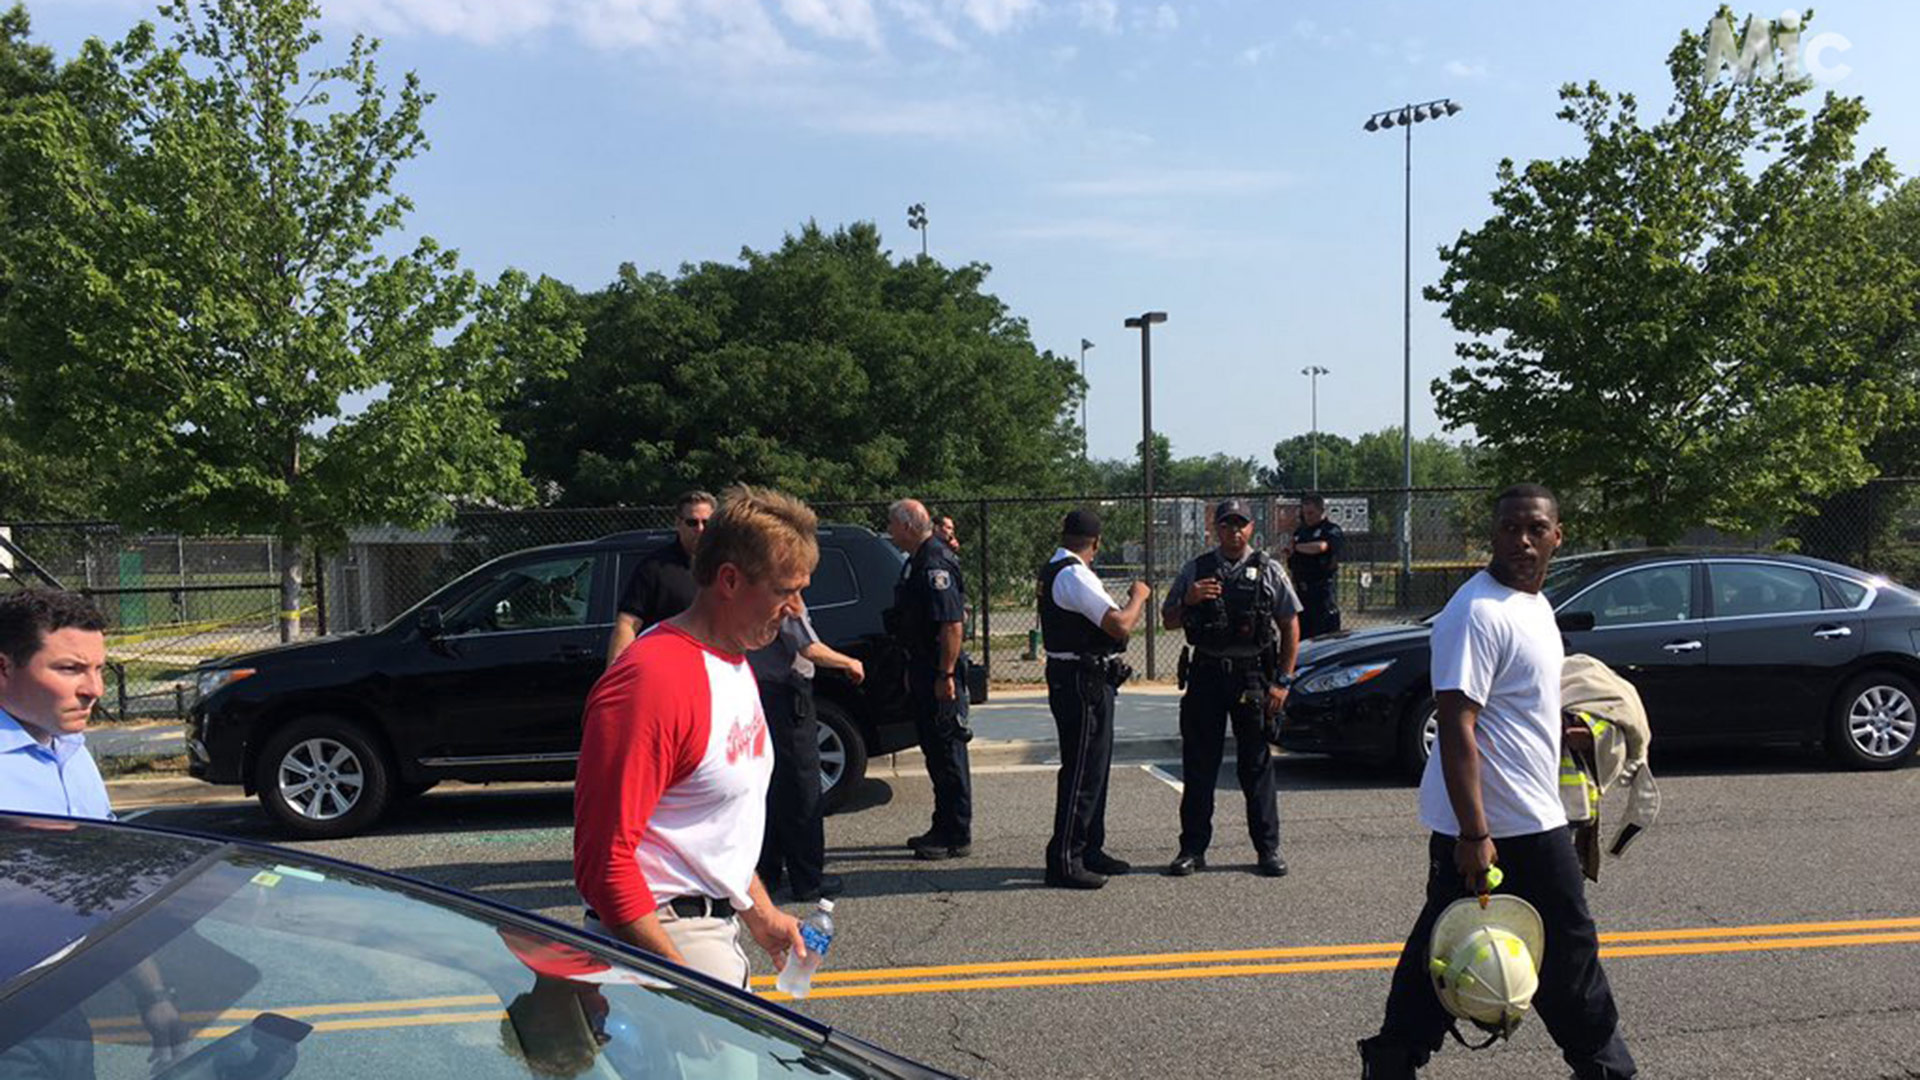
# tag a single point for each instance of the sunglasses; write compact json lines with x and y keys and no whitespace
{"x":694,"y":523}
{"x":1235,"y":522}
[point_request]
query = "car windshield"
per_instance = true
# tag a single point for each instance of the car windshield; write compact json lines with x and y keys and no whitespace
{"x":255,"y":964}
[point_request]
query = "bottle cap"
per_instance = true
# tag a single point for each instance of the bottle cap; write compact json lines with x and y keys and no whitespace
{"x":826,"y":905}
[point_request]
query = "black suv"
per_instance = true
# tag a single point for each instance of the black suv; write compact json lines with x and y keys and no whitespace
{"x":486,"y":679}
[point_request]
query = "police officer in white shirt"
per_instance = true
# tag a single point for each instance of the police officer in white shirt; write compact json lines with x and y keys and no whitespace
{"x":1491,"y":794}
{"x":1083,"y":632}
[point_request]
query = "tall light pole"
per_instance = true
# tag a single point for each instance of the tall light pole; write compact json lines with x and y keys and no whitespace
{"x":1144,"y":324}
{"x":1313,"y":373}
{"x":917,"y":219}
{"x":1406,"y":116}
{"x":1084,"y":346}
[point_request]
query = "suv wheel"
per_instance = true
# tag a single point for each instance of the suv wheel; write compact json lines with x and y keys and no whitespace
{"x":843,"y":754}
{"x":1418,"y":732}
{"x":1874,"y":719}
{"x":322,"y":777}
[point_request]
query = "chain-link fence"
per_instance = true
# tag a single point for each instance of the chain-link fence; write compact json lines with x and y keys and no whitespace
{"x":176,"y":601}
{"x":172,"y":602}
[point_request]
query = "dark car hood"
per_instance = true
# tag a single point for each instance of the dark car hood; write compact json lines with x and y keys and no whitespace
{"x":1377,"y":639}
{"x":317,"y":650}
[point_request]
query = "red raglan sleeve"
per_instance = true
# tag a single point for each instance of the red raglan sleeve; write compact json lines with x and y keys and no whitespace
{"x":633,"y":747}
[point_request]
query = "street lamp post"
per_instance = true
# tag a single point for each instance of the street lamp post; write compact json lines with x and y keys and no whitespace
{"x":917,"y":219}
{"x":1313,"y":373}
{"x":1406,"y":116}
{"x":1084,"y":346}
{"x":1144,"y":324}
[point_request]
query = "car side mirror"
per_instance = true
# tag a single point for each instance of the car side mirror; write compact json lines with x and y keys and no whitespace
{"x":1575,"y":622}
{"x":432,"y":624}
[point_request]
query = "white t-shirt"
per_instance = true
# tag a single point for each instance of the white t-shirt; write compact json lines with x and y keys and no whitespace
{"x":1078,"y":589}
{"x":1501,"y":647}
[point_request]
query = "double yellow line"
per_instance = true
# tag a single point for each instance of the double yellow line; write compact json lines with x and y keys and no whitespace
{"x":1073,"y":971}
{"x":1294,"y":959}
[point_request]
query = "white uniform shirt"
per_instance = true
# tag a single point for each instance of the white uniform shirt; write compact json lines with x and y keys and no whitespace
{"x":1078,"y":589}
{"x":1501,"y":647}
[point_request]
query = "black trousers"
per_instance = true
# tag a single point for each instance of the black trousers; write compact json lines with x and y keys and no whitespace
{"x":1574,"y":1001}
{"x":1213,"y":703}
{"x":1082,"y":704}
{"x":796,"y":837}
{"x":943,"y":741}
{"x":1319,"y":607}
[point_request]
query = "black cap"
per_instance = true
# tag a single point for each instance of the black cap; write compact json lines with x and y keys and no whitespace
{"x":1081,"y":522}
{"x":1232,"y":508}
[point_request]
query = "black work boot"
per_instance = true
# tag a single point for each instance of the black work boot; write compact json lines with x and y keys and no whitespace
{"x":1386,"y":1061}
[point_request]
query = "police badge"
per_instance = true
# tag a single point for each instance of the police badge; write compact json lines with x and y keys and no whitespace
{"x":939,"y":580}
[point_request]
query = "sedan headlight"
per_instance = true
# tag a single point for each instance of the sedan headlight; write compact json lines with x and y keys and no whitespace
{"x":1342,"y":678}
{"x":205,"y":683}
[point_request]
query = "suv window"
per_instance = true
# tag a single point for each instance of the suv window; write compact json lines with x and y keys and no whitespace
{"x":1762,"y":589}
{"x":1655,"y":594}
{"x":531,"y":596}
{"x":833,"y":581}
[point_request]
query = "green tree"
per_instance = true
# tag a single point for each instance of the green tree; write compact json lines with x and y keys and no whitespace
{"x":823,"y":367}
{"x":1373,"y":462}
{"x":1679,"y":324}
{"x":1215,"y":473}
{"x":205,"y":275}
{"x":31,"y":484}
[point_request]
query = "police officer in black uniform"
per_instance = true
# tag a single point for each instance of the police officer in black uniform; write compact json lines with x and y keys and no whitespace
{"x":1084,"y":632}
{"x":929,"y":606}
{"x":1313,"y":563}
{"x":1240,"y":617}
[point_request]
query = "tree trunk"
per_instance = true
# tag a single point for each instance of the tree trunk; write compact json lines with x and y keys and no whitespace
{"x":291,"y":558}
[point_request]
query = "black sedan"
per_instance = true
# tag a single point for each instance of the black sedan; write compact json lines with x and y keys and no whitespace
{"x":1724,"y":647}
{"x":128,"y":946}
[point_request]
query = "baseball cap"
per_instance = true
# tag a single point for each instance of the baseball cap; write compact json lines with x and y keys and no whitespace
{"x":1081,"y":522}
{"x":1232,"y":508}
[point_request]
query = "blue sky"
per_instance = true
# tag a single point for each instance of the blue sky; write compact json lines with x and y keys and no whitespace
{"x":1106,"y":157}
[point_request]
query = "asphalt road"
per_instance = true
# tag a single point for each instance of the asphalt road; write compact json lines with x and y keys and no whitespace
{"x":1735,"y":975}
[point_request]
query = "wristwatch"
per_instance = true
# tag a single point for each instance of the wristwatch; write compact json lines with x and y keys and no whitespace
{"x":1284,"y":682}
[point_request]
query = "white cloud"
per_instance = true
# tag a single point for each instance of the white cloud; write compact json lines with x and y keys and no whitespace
{"x":997,"y":16}
{"x":840,"y":20}
{"x":1163,"y":19}
{"x":926,"y":21}
{"x":1312,"y":32}
{"x":1101,"y":15}
{"x":1177,"y":182}
{"x":1460,"y":69}
{"x":1065,"y":54}
{"x":1255,"y":55}
{"x":971,"y":118}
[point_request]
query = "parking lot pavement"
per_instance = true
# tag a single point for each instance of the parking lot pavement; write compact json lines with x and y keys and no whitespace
{"x":1775,"y":906}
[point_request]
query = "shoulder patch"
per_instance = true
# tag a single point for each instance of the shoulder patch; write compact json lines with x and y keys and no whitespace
{"x":939,"y":580}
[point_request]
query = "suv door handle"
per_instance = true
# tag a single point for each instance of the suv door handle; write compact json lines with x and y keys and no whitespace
{"x":577,"y":652}
{"x":1682,"y":646}
{"x":1827,"y":632}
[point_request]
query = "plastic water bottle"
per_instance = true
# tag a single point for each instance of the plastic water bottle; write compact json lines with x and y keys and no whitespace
{"x":796,"y":978}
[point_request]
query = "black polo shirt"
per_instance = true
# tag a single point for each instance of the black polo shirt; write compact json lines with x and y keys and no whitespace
{"x":661,"y":586}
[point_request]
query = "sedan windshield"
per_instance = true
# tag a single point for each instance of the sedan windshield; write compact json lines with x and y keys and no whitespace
{"x":252,"y":966}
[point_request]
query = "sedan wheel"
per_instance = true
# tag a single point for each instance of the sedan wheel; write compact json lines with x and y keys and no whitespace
{"x":1875,"y":721}
{"x":1418,"y":735}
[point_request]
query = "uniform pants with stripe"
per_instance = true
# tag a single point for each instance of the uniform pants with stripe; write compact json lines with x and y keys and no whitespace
{"x":1574,"y":1000}
{"x":1082,"y":703}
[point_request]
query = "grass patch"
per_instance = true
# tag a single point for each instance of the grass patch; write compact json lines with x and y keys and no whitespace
{"x":119,"y":768}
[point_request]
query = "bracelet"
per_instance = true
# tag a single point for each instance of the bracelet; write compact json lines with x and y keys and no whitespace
{"x":1463,"y":838}
{"x":946,"y":674}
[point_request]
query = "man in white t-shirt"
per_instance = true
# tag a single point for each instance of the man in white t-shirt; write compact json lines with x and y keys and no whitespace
{"x":1491,"y":794}
{"x":1083,"y":632}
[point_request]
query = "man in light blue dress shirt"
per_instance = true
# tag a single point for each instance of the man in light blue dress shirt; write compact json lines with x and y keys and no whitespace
{"x":53,"y":654}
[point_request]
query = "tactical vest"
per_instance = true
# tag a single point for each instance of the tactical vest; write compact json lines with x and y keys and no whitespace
{"x":1242,"y":618}
{"x":1063,"y":631}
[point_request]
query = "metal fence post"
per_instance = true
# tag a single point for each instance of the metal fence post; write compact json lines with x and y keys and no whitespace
{"x":319,"y":593}
{"x":986,"y":592}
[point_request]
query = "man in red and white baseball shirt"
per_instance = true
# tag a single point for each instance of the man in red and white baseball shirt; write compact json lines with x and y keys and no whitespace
{"x":669,"y":807}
